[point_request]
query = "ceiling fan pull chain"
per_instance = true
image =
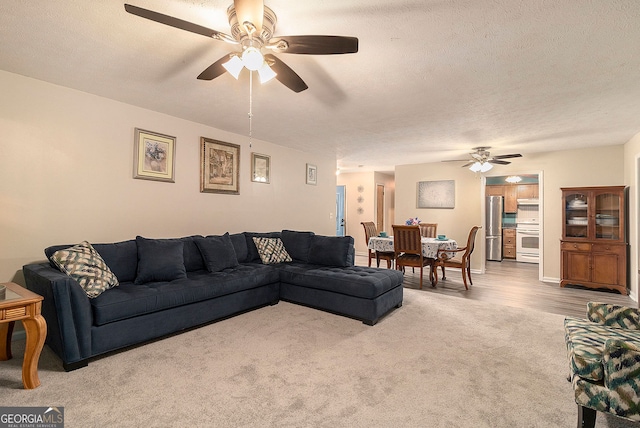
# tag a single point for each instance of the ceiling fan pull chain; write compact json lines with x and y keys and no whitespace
{"x":250,"y":106}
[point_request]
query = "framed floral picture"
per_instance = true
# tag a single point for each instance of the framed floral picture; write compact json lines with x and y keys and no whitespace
{"x":219,"y":167}
{"x":312,"y":174}
{"x":260,"y":168}
{"x":154,"y":156}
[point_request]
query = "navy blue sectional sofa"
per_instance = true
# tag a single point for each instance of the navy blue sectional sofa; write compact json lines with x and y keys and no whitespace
{"x":208,"y":287}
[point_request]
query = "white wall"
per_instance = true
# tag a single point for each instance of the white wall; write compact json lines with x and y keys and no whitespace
{"x":632,"y":178}
{"x":66,"y":169}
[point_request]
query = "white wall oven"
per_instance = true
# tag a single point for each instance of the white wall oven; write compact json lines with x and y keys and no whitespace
{"x":528,"y":231}
{"x":528,"y":243}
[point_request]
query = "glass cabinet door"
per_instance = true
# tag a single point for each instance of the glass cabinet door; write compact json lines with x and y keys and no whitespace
{"x":576,"y":207}
{"x":607,"y":216}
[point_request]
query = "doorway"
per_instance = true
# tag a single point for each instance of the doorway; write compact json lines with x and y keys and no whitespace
{"x":521,"y":192}
{"x":380,"y":207}
{"x":340,"y":203}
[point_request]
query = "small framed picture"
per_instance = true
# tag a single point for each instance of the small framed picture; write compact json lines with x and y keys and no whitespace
{"x":312,"y":174}
{"x":219,"y":167}
{"x":260,"y":168}
{"x":154,"y":156}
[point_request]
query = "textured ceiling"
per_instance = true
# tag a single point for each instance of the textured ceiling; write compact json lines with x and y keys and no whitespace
{"x":432,"y":79}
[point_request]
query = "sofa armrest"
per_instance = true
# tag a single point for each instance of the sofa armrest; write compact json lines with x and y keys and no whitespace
{"x":66,"y":309}
{"x":615,"y":316}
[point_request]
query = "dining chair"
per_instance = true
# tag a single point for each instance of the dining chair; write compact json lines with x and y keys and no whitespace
{"x":369,"y":231}
{"x":463,"y":262}
{"x":407,"y":243}
{"x":428,"y":230}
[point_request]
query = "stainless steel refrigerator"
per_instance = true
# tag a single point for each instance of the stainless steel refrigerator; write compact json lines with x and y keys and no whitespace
{"x":493,"y":229}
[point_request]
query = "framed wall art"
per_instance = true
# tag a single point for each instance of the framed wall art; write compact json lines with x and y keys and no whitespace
{"x":312,"y":174}
{"x":154,"y":156}
{"x":260,"y":168}
{"x":219,"y":167}
{"x":436,"y":194}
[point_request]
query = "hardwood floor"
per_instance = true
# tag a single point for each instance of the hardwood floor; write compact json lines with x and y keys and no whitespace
{"x":515,"y":284}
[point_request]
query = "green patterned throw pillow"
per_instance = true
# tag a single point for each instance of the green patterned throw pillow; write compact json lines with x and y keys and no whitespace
{"x":271,"y":250}
{"x":83,"y":263}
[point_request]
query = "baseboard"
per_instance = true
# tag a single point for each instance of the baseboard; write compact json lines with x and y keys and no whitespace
{"x":552,"y":280}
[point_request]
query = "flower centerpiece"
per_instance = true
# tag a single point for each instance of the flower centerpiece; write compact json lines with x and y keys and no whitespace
{"x":413,"y":222}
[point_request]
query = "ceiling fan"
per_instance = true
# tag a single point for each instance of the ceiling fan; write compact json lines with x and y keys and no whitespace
{"x":252,"y":27}
{"x":481,"y":160}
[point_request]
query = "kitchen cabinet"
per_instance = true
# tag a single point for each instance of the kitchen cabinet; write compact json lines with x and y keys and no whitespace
{"x":494,"y":190}
{"x":509,"y":243}
{"x":527,"y":191}
{"x":594,"y":251}
{"x":510,"y":199}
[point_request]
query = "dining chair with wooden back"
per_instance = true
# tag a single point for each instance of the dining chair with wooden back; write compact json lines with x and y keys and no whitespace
{"x":407,"y":243}
{"x":371,"y":231}
{"x":428,"y":230}
{"x":463,"y":262}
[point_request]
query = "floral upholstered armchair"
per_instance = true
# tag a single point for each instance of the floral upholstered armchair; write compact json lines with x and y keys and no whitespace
{"x":604,"y":357}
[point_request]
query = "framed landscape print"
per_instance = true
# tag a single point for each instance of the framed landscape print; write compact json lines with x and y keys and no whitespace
{"x":260,"y":168}
{"x":154,"y":156}
{"x":219,"y":167}
{"x":312,"y":174}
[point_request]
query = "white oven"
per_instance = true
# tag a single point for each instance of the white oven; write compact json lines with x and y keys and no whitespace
{"x":528,"y":243}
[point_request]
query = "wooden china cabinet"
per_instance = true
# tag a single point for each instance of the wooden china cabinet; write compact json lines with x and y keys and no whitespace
{"x":594,"y":247}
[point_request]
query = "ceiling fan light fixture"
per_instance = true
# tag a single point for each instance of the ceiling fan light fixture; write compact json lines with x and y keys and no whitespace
{"x":252,"y":58}
{"x":266,"y":73}
{"x":480,"y":167}
{"x":513,"y":179}
{"x":234,"y":66}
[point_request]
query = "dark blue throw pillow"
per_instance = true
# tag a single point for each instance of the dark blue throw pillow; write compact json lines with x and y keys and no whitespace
{"x":218,"y":252}
{"x":159,"y":260}
{"x":297,"y":244}
{"x":240,"y":246}
{"x":330,"y":250}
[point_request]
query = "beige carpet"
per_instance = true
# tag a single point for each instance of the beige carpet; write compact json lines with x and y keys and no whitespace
{"x":438,"y":361}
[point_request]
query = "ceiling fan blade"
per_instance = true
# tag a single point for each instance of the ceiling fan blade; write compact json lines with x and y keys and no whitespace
{"x":513,"y":155}
{"x":173,"y":22}
{"x":251,"y":11}
{"x":285,"y":74}
{"x":498,"y":162}
{"x":216,"y":69}
{"x":316,"y":45}
{"x":468,"y":164}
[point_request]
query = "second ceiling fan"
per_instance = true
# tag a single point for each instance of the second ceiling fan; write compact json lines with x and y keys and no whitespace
{"x":481,"y":160}
{"x":252,"y":27}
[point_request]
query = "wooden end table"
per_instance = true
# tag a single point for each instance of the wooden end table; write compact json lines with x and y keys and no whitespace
{"x":22,"y":304}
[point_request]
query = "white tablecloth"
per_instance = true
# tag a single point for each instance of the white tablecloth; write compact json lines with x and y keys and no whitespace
{"x":430,"y":246}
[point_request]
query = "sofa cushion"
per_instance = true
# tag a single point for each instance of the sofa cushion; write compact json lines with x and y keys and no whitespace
{"x":252,"y":251}
{"x":217,"y":252}
{"x":271,"y":250}
{"x":121,"y":257}
{"x":330,"y":250}
{"x":357,"y":281}
{"x":585,"y":342}
{"x":83,"y":263}
{"x":239,"y":242}
{"x":160,"y":260}
{"x":131,"y":300}
{"x":297,"y":244}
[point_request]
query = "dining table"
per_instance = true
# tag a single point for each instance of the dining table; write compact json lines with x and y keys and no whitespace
{"x":430,"y":246}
